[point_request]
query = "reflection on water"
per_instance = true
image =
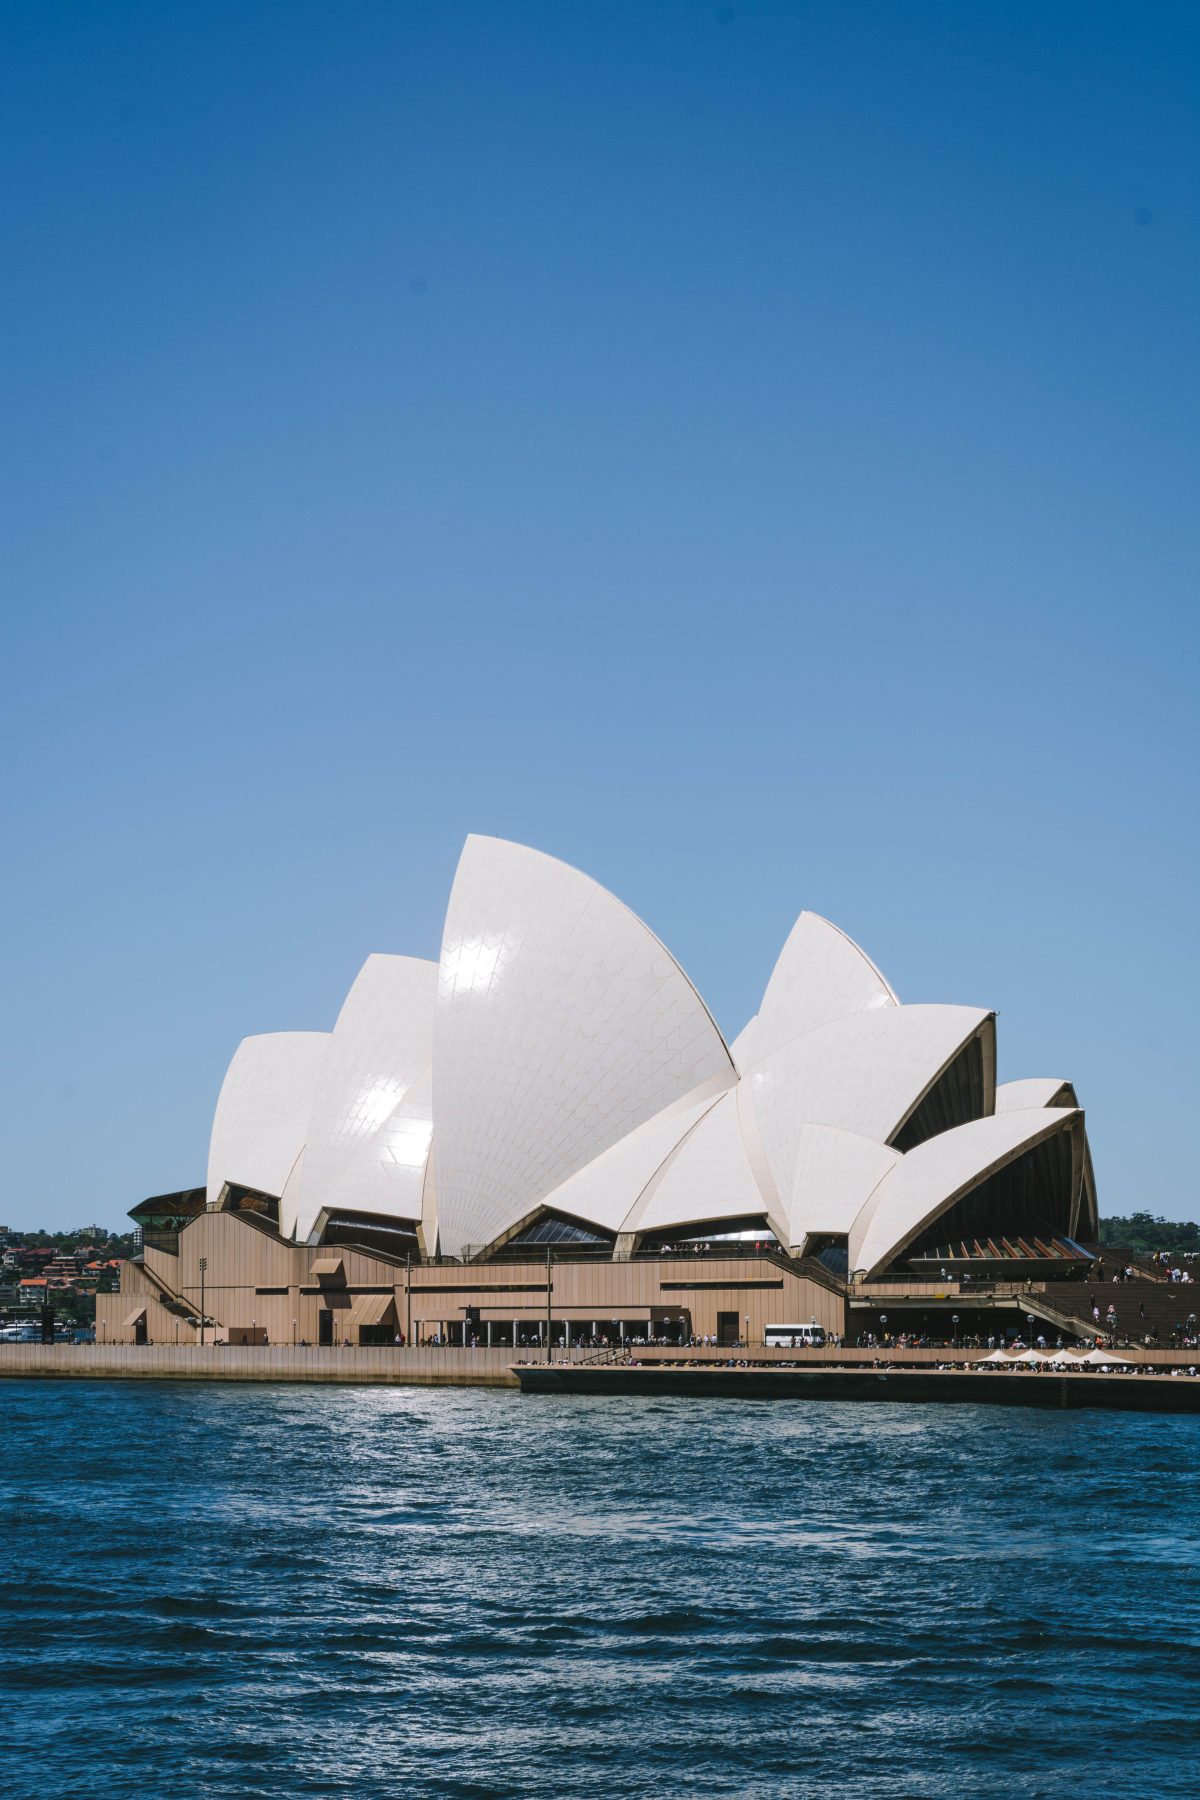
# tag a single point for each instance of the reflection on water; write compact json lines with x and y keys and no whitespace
{"x":266,"y":1592}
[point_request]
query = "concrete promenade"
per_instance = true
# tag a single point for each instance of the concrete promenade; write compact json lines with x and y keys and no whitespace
{"x":188,"y":1362}
{"x":445,"y":1367}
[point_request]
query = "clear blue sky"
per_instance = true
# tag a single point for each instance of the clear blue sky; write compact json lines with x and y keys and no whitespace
{"x":749,"y":452}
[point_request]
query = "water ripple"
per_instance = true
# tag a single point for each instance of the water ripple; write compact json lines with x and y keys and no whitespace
{"x":253,"y":1594}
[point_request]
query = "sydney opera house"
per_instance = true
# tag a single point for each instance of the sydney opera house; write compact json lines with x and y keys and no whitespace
{"x":546,"y":1132}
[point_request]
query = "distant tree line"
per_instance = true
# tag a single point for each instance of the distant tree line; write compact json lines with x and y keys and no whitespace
{"x":1143,"y":1231}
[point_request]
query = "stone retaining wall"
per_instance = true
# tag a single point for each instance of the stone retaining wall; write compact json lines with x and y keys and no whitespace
{"x":188,"y":1362}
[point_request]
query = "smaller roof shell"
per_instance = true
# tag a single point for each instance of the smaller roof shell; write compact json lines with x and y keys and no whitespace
{"x":929,"y":1180}
{"x":864,"y":1073}
{"x":605,"y":1190}
{"x":708,"y":1177}
{"x":262,"y":1113}
{"x":381,"y":1044}
{"x":821,"y":975}
{"x":1032,"y":1091}
{"x":835,"y":1174}
{"x":385,"y":1171}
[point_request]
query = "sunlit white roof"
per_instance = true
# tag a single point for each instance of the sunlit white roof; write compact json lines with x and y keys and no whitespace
{"x":833,"y":1177}
{"x":385,"y":1171}
{"x":1034,"y":1090}
{"x":262,"y":1112}
{"x":604,"y":1190}
{"x":381,"y":1044}
{"x":932,"y":1177}
{"x":562,"y":1024}
{"x":864,"y":1073}
{"x":821,"y":975}
{"x":557,"y":1057}
{"x":708,"y":1177}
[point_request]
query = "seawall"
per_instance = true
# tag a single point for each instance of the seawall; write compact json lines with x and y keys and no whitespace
{"x":1125,"y":1393}
{"x":188,"y":1362}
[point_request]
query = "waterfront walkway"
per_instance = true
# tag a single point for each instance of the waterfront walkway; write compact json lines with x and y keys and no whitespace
{"x":426,"y":1366}
{"x":402,"y":1365}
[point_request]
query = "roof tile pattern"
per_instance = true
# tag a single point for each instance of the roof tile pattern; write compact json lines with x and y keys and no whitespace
{"x":708,"y":1177}
{"x":607,"y":1189}
{"x":382,"y":1043}
{"x":558,"y":1057}
{"x":863,"y":1073}
{"x":562,"y":1024}
{"x":821,"y":975}
{"x":930,"y":1178}
{"x":262,"y":1113}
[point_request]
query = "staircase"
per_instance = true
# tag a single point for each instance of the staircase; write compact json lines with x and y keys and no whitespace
{"x":1143,"y":1307}
{"x":174,"y":1303}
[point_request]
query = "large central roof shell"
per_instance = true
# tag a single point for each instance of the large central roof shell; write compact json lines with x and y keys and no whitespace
{"x":562,"y":1024}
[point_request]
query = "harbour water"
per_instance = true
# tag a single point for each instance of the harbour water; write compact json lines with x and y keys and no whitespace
{"x":255,"y":1592}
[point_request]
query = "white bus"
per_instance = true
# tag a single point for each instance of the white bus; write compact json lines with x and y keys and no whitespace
{"x":794,"y":1337}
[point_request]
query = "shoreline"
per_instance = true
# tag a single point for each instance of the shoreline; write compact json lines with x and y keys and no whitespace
{"x":852,"y":1374}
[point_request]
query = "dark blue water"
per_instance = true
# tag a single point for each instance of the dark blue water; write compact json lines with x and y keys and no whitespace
{"x":242,"y":1591}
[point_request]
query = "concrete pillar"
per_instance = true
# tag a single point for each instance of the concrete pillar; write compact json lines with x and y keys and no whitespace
{"x":489,"y":1334}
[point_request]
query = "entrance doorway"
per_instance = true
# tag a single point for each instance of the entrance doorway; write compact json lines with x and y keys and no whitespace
{"x":325,"y":1327}
{"x":727,"y":1328}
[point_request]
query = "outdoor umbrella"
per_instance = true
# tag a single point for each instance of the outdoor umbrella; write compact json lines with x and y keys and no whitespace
{"x":1105,"y":1359}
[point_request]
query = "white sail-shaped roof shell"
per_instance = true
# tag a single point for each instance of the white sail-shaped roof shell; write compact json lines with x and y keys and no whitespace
{"x":385,"y":1171}
{"x":929,"y":1180}
{"x":821,"y":975}
{"x":562,"y":1024}
{"x":708,"y":1177}
{"x":833,"y":1177}
{"x":1047,"y":1090}
{"x":1034,"y":1090}
{"x":864,"y":1073}
{"x":381,"y":1044}
{"x":604,"y":1190}
{"x":262,"y":1113}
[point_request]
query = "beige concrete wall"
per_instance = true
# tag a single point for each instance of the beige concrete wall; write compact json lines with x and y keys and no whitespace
{"x":244,"y":1264}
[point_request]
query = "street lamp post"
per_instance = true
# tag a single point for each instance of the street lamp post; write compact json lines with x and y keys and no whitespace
{"x":882,"y":1326}
{"x":203,"y":1267}
{"x":293,"y":1334}
{"x":1030,"y":1321}
{"x":954,"y":1322}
